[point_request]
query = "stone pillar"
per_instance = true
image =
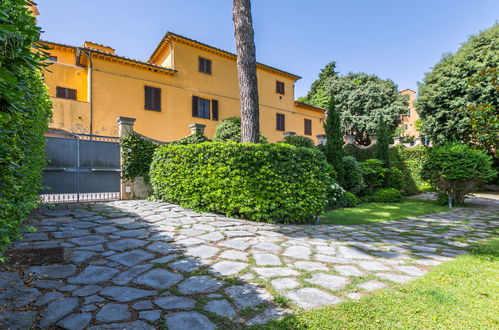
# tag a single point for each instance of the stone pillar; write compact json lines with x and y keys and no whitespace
{"x":197,"y":128}
{"x":125,"y":127}
{"x":349,"y":139}
{"x":322,"y":138}
{"x":397,"y":140}
{"x":288,"y":134}
{"x":374,"y":140}
{"x":417,"y":141}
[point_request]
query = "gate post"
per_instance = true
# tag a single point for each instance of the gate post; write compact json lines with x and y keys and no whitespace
{"x":125,"y":127}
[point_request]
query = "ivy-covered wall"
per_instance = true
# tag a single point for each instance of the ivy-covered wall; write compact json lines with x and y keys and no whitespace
{"x":25,"y":109}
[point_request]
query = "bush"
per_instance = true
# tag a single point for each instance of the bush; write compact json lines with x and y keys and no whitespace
{"x":262,"y":182}
{"x":387,"y":195}
{"x":360,"y":154}
{"x":25,"y":109}
{"x":191,"y":139}
{"x":353,"y":179}
{"x":298,"y":141}
{"x":396,"y":178}
{"x":136,"y":155}
{"x":229,"y":129}
{"x":457,"y":170}
{"x":410,"y":161}
{"x":349,"y":200}
{"x":334,"y":194}
{"x":374,"y":174}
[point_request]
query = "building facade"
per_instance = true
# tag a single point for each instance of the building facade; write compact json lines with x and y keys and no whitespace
{"x":183,"y":82}
{"x":408,"y":121}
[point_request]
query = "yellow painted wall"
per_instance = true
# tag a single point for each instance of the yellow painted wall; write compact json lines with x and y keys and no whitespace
{"x":118,"y":90}
{"x":71,"y":116}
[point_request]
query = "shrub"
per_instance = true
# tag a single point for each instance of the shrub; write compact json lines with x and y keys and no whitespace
{"x":387,"y":195}
{"x":25,"y":109}
{"x":353,"y":179}
{"x":373,"y":173}
{"x":410,"y":161}
{"x":396,"y":178}
{"x":348,"y":200}
{"x":191,"y":139}
{"x":136,"y":155}
{"x":334,"y":194}
{"x":229,"y":129}
{"x":299,"y":141}
{"x":360,"y":154}
{"x":262,"y":182}
{"x":457,"y":170}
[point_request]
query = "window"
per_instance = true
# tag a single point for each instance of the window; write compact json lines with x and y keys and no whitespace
{"x":53,"y":58}
{"x":214,"y":109}
{"x":279,"y":87}
{"x":152,"y":98}
{"x":279,"y":122}
{"x":308,"y":127}
{"x":204,"y":65}
{"x":65,"y":93}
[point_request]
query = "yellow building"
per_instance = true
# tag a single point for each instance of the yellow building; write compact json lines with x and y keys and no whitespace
{"x":408,"y":121}
{"x":183,"y":82}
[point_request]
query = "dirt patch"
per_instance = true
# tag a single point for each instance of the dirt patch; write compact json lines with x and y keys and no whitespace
{"x":39,"y":256}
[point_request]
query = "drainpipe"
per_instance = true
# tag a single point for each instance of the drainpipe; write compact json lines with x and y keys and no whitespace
{"x":90,"y":80}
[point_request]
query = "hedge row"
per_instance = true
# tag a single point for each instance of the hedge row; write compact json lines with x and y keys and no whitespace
{"x":409,"y":160}
{"x":24,"y":112}
{"x":262,"y":182}
{"x":137,"y":153}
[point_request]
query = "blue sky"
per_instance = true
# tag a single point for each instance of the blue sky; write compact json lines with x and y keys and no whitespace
{"x":392,"y":39}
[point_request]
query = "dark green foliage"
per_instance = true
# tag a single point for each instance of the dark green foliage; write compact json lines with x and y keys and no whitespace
{"x":25,"y":109}
{"x":383,"y":142}
{"x":137,"y":153}
{"x":396,"y":178}
{"x":360,"y":98}
{"x":334,"y":143}
{"x":449,"y":88}
{"x":374,"y":174}
{"x":299,"y":141}
{"x":457,"y":170}
{"x":263,"y":182}
{"x":353,"y":180}
{"x":191,"y":139}
{"x":387,"y":195}
{"x":348,"y":200}
{"x":410,"y":161}
{"x":319,"y":94}
{"x":359,"y":153}
{"x":229,"y":129}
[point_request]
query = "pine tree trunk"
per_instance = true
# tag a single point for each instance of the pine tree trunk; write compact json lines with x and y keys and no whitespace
{"x":246,"y":70}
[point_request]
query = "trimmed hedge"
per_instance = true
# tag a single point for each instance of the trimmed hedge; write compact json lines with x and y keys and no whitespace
{"x":298,"y":141}
{"x":263,"y":182}
{"x":25,"y":109}
{"x":387,"y":195}
{"x":137,"y":153}
{"x":229,"y":129}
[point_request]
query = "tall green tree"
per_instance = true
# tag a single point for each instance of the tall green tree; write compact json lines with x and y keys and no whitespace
{"x":360,"y":99}
{"x":450,"y":87}
{"x":246,"y":70}
{"x":383,"y":143}
{"x":334,"y":142}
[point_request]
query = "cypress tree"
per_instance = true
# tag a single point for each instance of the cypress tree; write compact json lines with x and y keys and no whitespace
{"x":334,"y":143}
{"x":383,"y":142}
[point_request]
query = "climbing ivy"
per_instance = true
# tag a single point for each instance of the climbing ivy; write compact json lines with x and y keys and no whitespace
{"x":25,"y":109}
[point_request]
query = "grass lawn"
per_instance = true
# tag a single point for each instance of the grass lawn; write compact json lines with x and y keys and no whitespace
{"x":378,"y":212}
{"x":460,"y":294}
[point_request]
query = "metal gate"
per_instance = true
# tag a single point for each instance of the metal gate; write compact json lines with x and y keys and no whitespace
{"x":81,"y":167}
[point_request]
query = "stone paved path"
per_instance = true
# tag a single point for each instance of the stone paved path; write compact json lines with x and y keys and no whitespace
{"x":138,"y":264}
